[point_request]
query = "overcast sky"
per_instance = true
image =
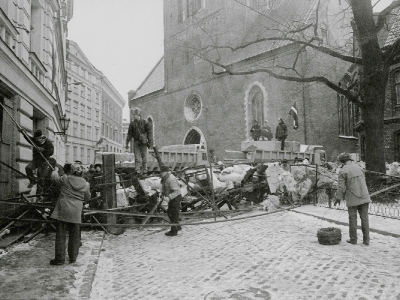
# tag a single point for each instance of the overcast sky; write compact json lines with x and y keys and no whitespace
{"x":124,"y":38}
{"x":121,"y":38}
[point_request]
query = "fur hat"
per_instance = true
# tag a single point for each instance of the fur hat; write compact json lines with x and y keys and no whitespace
{"x":76,"y":169}
{"x":344,"y":157}
{"x":164,"y":169}
{"x":37,"y":133}
{"x":135,"y":111}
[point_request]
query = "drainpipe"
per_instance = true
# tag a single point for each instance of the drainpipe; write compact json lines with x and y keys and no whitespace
{"x":304,"y":101}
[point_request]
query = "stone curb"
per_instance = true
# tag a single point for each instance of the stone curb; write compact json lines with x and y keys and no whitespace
{"x":90,"y":273}
{"x":382,"y":232}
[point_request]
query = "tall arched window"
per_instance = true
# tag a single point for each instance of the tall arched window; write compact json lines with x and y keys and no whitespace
{"x":257,"y":104}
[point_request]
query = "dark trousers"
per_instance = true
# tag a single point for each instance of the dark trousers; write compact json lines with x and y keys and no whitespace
{"x":74,"y":240}
{"x":140,"y":152}
{"x":363,"y":212}
{"x":33,"y":165}
{"x":174,"y":207}
{"x":282,"y":144}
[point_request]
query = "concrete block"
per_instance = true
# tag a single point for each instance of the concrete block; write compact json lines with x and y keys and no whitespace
{"x":22,"y":185}
{"x":261,"y":145}
{"x":234,"y":155}
{"x":25,"y":107}
{"x":25,"y":122}
{"x":22,"y":141}
{"x":23,"y":154}
{"x":21,"y":166}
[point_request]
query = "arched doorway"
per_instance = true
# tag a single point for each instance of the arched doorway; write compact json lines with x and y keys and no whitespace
{"x":193,"y":137}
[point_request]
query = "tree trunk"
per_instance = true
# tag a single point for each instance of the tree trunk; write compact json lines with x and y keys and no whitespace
{"x":373,"y":81}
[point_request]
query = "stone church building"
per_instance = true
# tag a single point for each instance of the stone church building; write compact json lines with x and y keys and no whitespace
{"x":190,"y":103}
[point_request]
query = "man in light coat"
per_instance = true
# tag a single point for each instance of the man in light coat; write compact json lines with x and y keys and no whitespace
{"x":74,"y":191}
{"x":353,"y":188}
{"x":171,"y":191}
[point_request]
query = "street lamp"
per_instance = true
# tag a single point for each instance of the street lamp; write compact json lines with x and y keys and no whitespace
{"x":64,"y":125}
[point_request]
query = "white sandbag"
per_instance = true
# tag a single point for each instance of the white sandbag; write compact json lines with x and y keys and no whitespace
{"x":184,"y":188}
{"x":154,"y":182}
{"x":272,"y":174}
{"x":122,"y":201}
{"x":271,"y":203}
{"x":229,"y":174}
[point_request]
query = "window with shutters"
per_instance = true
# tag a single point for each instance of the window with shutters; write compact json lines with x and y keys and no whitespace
{"x":75,"y":108}
{"x":75,"y":153}
{"x":82,"y":131}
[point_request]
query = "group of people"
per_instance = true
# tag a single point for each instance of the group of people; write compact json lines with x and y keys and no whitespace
{"x":265,"y":132}
{"x":74,"y":185}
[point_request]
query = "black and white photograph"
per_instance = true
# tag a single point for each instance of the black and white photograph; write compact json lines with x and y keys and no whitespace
{"x":199,"y":149}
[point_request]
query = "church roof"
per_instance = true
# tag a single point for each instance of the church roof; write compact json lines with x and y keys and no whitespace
{"x":391,"y":30}
{"x":282,"y":16}
{"x":153,"y":82}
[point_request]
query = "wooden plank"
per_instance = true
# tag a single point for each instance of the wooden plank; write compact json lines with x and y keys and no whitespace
{"x":12,"y":238}
{"x":146,"y":219}
{"x":110,"y":191}
{"x":384,"y":190}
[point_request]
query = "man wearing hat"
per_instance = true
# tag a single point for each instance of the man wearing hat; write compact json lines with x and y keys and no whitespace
{"x":353,"y":188}
{"x":141,"y":132}
{"x":281,"y":133}
{"x":171,"y":191}
{"x":74,"y":191}
{"x":42,"y":150}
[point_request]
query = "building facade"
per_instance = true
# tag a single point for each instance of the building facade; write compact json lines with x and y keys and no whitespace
{"x":83,"y":106}
{"x":112,"y":105}
{"x":189,"y":104}
{"x":32,"y":81}
{"x":351,"y":123}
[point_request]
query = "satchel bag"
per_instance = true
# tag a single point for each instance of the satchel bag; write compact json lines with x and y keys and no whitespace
{"x":143,"y":138}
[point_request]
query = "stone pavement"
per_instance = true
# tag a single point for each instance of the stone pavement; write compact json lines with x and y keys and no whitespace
{"x":274,"y":256}
{"x":25,"y":272}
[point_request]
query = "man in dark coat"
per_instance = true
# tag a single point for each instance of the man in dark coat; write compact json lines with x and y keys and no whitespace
{"x":141,"y":132}
{"x":281,"y":133}
{"x":255,"y":131}
{"x":43,"y":148}
{"x":266,"y":132}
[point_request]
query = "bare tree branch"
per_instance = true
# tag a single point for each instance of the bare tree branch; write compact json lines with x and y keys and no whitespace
{"x":384,"y":13}
{"x":323,"y":49}
{"x":327,"y":82}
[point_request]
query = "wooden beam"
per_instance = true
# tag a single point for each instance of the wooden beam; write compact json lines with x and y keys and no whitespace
{"x":110,"y":191}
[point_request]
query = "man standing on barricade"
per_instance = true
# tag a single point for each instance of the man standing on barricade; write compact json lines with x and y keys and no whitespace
{"x":43,"y":148}
{"x":171,"y":191}
{"x":141,"y":132}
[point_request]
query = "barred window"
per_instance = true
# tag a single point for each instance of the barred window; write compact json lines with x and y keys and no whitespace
{"x":347,"y":112}
{"x":397,"y":86}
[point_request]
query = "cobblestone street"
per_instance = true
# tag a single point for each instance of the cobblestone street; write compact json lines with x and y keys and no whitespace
{"x":274,"y":256}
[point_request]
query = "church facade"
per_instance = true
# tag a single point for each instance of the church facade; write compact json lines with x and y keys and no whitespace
{"x":191,"y":102}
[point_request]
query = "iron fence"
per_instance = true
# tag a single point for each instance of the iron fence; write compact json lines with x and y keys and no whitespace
{"x":384,"y":191}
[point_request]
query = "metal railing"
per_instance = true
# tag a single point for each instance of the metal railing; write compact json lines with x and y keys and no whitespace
{"x":384,"y":191}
